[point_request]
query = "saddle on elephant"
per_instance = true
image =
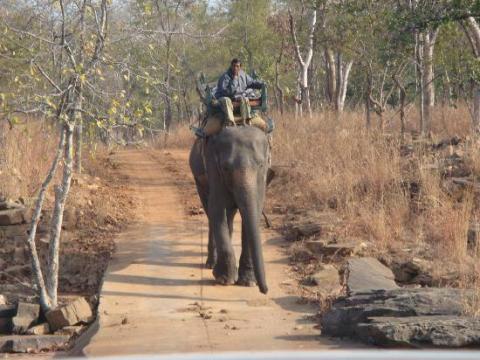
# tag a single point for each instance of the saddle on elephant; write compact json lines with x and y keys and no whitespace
{"x":245,"y":110}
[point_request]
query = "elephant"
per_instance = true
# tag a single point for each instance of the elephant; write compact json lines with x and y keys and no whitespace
{"x":230,"y":172}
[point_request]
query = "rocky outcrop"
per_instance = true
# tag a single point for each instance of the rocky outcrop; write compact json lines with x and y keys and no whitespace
{"x":404,"y":317}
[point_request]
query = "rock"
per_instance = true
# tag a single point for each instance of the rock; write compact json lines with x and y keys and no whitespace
{"x":368,"y":274}
{"x":305,"y":230}
{"x":32,"y":344}
{"x":473,"y":243}
{"x":315,"y":246}
{"x":69,"y":330}
{"x":346,"y":315}
{"x":69,"y":219}
{"x":78,"y":311}
{"x":328,"y":281}
{"x":339,"y":250}
{"x":5,"y":325}
{"x":9,"y":204}
{"x":7,"y":311}
{"x":3,"y":300}
{"x":41,"y":329}
{"x":414,"y":271}
{"x":11,"y":217}
{"x":195,"y":210}
{"x":442,"y":331}
{"x":27,"y":315}
{"x":13,"y":230}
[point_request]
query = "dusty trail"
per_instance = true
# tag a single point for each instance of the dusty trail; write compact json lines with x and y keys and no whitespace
{"x":157,"y":298}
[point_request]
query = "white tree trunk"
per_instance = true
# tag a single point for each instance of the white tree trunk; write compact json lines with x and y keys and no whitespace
{"x":472,"y":30}
{"x":61,"y":194}
{"x":304,"y":63}
{"x":45,"y":301}
{"x":79,"y":131}
{"x":428,"y":39}
{"x":343,"y":70}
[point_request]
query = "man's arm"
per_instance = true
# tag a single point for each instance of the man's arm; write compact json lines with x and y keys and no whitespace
{"x":254,"y":84}
{"x":224,"y":87}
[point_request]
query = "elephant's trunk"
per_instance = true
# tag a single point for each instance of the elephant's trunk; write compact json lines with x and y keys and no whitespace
{"x":251,"y":212}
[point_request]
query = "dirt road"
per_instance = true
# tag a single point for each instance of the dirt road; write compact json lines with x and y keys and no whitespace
{"x":158,"y":298}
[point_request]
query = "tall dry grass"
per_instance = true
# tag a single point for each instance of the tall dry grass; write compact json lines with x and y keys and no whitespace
{"x":26,"y":152}
{"x":399,"y":204}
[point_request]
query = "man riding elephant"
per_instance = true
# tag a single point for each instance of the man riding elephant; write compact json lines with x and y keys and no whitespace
{"x":232,"y":85}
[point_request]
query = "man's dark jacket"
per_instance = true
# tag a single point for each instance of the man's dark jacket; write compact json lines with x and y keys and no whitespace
{"x":230,"y":87}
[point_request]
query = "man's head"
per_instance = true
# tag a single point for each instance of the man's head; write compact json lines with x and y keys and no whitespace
{"x":235,"y":66}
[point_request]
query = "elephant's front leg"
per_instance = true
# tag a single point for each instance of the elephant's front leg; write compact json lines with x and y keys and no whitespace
{"x":246,"y":275}
{"x":225,"y":269}
{"x":212,"y":251}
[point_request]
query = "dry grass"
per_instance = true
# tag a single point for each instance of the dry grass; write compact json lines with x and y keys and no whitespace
{"x":398,"y":204}
{"x":25,"y":157}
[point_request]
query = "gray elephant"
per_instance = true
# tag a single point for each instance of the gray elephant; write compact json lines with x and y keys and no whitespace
{"x":230,"y":171}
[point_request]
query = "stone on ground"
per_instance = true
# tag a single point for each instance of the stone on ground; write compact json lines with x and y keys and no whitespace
{"x":70,"y":330}
{"x":27,"y":315}
{"x":41,"y":329}
{"x":11,"y":217}
{"x":78,"y":311}
{"x":368,"y":274}
{"x":327,"y":280}
{"x":32,"y":344}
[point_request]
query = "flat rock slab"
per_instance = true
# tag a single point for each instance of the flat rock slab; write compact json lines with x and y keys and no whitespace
{"x":76,"y":312}
{"x":417,"y":331}
{"x":32,"y":344}
{"x":408,"y":317}
{"x":27,"y":315}
{"x":367,"y":274}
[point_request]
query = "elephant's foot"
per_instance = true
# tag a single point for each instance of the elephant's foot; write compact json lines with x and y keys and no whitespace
{"x":210,"y":264}
{"x":224,"y":274}
{"x":246,"y":278}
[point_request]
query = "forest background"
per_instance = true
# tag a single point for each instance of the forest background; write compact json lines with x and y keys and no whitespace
{"x":377,"y":106}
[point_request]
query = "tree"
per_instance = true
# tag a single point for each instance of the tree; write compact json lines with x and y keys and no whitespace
{"x":63,"y":79}
{"x":304,"y":60}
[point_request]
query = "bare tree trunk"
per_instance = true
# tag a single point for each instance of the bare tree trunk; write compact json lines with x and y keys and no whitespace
{"x":403,"y":96}
{"x":472,"y":30}
{"x":428,"y":39}
{"x":278,"y":89}
{"x":45,"y":301}
{"x":304,"y":63}
{"x":331,"y":74}
{"x":61,"y":194}
{"x":368,"y":95}
{"x":343,"y":71}
{"x":79,"y":131}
